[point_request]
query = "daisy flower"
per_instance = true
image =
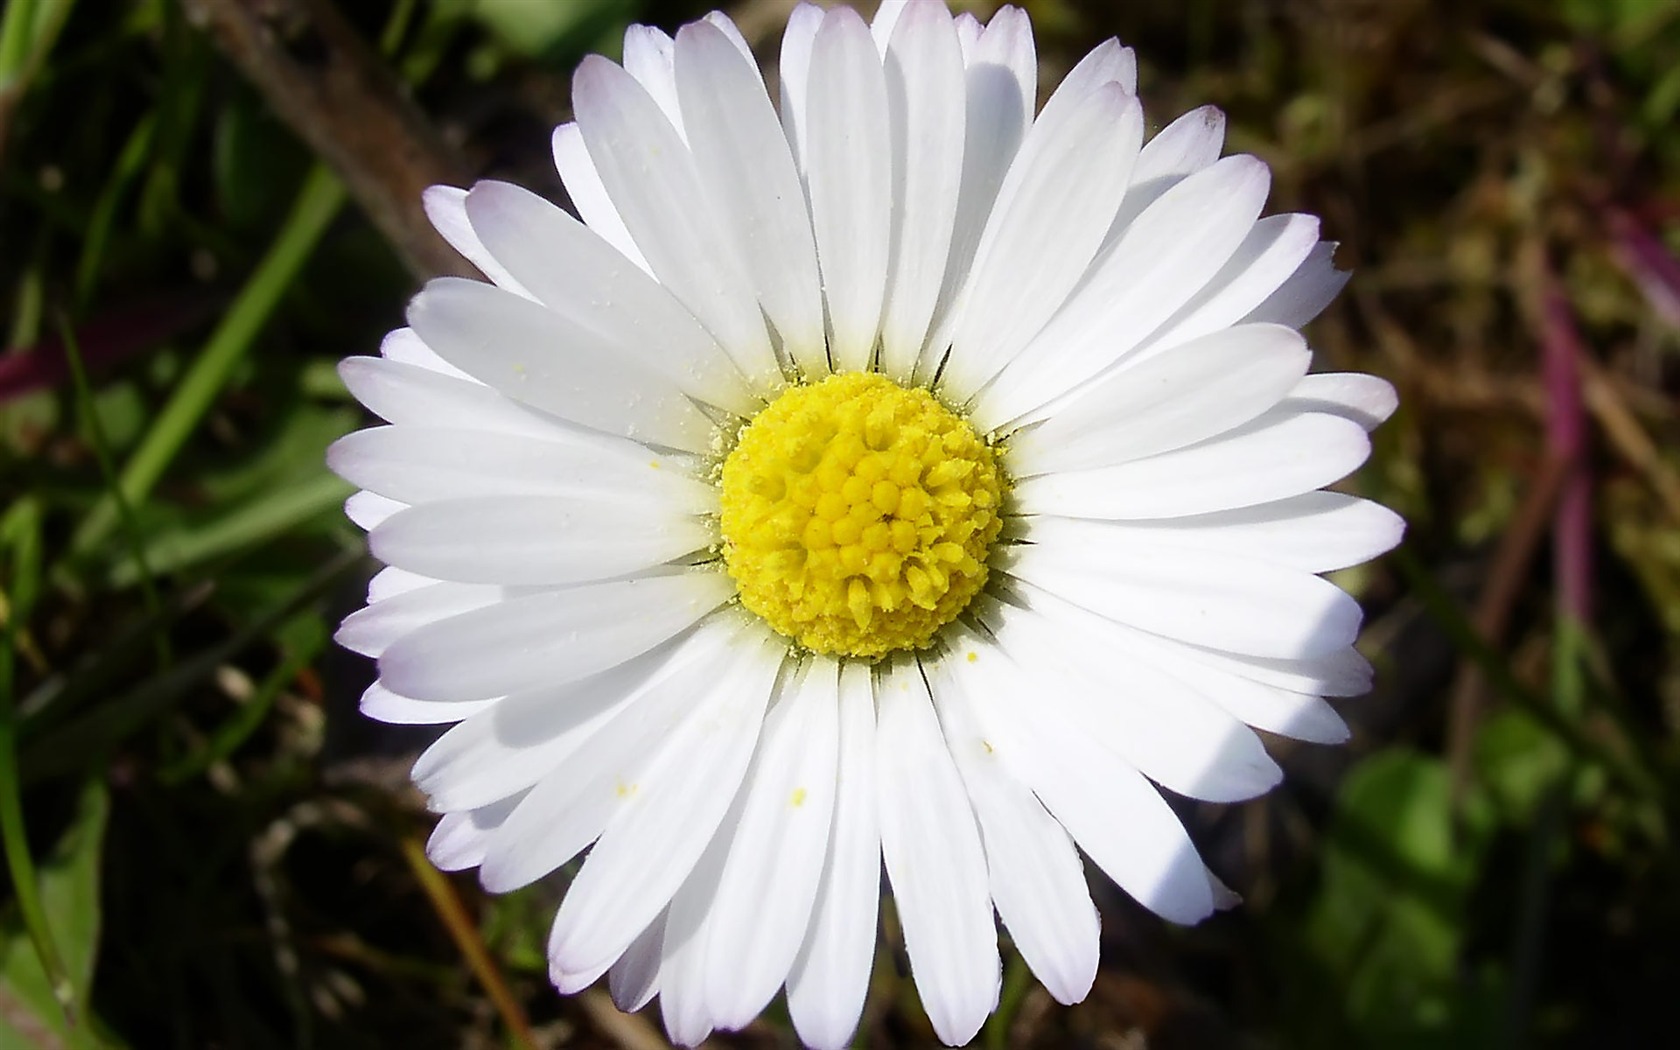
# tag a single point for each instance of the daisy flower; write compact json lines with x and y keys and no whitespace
{"x":891,"y":478}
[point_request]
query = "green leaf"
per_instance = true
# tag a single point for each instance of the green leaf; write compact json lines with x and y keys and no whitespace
{"x":30,"y":1014}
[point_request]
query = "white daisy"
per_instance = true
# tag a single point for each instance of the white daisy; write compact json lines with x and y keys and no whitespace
{"x":904,"y":479}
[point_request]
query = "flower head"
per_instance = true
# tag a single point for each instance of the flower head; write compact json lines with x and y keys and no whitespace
{"x":901,"y":478}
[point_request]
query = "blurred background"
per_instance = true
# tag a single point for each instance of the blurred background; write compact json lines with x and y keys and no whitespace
{"x":207,"y":203}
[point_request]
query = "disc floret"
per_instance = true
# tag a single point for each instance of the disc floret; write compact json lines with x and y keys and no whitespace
{"x":857,"y":515}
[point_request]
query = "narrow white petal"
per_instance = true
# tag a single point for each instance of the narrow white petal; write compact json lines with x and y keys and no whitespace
{"x":368,"y":509}
{"x":529,"y":735}
{"x":649,"y":56}
{"x":419,"y":464}
{"x":683,"y":1003}
{"x":589,"y":195}
{"x":1279,"y":455}
{"x":1198,"y":391}
{"x":768,"y":885}
{"x":1116,"y":816}
{"x":848,"y":169}
{"x":795,"y":68}
{"x":539,"y":540}
{"x":1365,"y":399}
{"x":661,"y":830}
{"x":634,"y":978}
{"x":1182,"y":148}
{"x":392,"y":581}
{"x":1162,"y":260}
{"x":1307,"y":292}
{"x":652,"y":179}
{"x":934,"y":860}
{"x":1313,"y":532}
{"x":733,"y":32}
{"x":1272,"y":695}
{"x":1274,"y":248}
{"x":574,"y":272}
{"x":383,"y":705}
{"x":885,"y":22}
{"x":825,"y":990}
{"x":403,"y":346}
{"x":446,"y":207}
{"x":552,"y":636}
{"x":538,"y":357}
{"x":1002,"y":88}
{"x":1051,"y":212}
{"x":399,"y":392}
{"x":1036,"y":877}
{"x":458,"y":841}
{"x":598,"y":765}
{"x":1153,"y":720}
{"x":926,"y":101}
{"x":371,"y":630}
{"x":1221,"y":601}
{"x":744,"y":161}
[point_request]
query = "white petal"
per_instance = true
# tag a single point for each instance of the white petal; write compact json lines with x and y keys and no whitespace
{"x":934,"y":860}
{"x":1116,"y":816}
{"x":683,"y":1004}
{"x":729,"y":29}
{"x":768,"y":884}
{"x":1182,"y":148}
{"x":446,"y":207}
{"x":848,"y":169}
{"x":1153,"y":720}
{"x":886,"y":19}
{"x":1216,"y":600}
{"x":602,"y":763}
{"x":419,"y":464}
{"x":649,"y":56}
{"x":1268,"y":695}
{"x":538,"y":357}
{"x":403,"y":346}
{"x":1036,"y":877}
{"x":927,"y":104}
{"x":575,"y":273}
{"x":661,"y":830}
{"x":653,"y":181}
{"x":1107,"y":63}
{"x":1163,"y":259}
{"x":589,"y":195}
{"x":552,"y":636}
{"x":744,"y":161}
{"x":1051,"y":212}
{"x":400,"y":392}
{"x":1279,"y":455}
{"x":1002,"y":88}
{"x":830,"y":976}
{"x":528,"y":735}
{"x":539,"y":540}
{"x":368,"y":509}
{"x":1198,"y":391}
{"x":458,"y":841}
{"x":797,"y":40}
{"x":1274,"y":248}
{"x":383,"y":705}
{"x":1307,"y":292}
{"x":392,"y":581}
{"x":372,"y":630}
{"x":1367,"y":400}
{"x":1313,"y":532}
{"x":634,"y":978}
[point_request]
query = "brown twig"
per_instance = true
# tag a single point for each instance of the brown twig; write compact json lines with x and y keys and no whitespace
{"x":341,"y":99}
{"x":453,"y":914}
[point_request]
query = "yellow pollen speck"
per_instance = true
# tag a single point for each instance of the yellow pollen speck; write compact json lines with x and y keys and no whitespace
{"x":626,"y":790}
{"x":973,"y":656}
{"x":798,"y":798}
{"x":857,"y":515}
{"x":987,"y":744}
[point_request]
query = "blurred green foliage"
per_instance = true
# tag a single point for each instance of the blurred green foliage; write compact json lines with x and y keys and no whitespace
{"x":203,"y":837}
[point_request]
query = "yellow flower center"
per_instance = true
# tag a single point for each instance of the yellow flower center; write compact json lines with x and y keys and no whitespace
{"x":857,"y":515}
